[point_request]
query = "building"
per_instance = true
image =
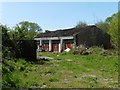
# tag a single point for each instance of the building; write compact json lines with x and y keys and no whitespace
{"x":92,"y":36}
{"x":59,"y":40}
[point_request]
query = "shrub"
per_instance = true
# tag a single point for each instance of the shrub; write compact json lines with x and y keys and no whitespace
{"x":13,"y":72}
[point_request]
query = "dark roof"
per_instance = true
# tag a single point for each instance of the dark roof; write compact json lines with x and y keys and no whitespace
{"x":65,"y":32}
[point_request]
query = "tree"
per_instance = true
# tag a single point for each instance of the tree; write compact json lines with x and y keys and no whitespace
{"x":6,"y":42}
{"x":113,"y":28}
{"x":109,"y":19}
{"x":102,"y":25}
{"x":26,"y":30}
{"x":111,"y":25}
{"x":81,"y":24}
{"x":22,"y":37}
{"x":19,"y":42}
{"x":5,"y":35}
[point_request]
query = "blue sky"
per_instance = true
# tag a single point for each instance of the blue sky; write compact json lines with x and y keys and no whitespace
{"x":53,"y":16}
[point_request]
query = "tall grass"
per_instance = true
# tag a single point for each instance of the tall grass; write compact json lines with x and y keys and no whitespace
{"x":65,"y":70}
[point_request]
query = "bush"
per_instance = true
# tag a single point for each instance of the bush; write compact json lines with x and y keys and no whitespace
{"x":12,"y":72}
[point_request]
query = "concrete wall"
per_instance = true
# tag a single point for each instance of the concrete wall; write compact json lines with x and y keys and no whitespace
{"x":93,"y":37}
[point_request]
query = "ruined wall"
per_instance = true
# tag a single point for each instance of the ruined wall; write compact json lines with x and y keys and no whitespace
{"x":92,"y":37}
{"x":27,"y":50}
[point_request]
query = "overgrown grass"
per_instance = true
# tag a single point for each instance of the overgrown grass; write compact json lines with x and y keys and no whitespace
{"x":66,"y":70}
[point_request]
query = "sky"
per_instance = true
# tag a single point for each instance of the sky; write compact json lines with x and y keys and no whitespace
{"x":56,"y":15}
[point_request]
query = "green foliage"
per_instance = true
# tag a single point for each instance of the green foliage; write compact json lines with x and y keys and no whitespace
{"x":6,"y":42}
{"x":81,"y":24}
{"x":102,"y":25}
{"x":75,"y":71}
{"x":109,"y":19}
{"x":5,"y":35}
{"x":13,"y":72}
{"x":19,"y":38}
{"x":25,"y":31}
{"x":110,"y":25}
{"x":113,"y":29}
{"x":53,"y":80}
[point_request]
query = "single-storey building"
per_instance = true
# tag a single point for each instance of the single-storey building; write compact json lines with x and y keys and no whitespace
{"x":59,"y":40}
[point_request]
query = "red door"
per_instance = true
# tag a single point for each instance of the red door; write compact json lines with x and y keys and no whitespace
{"x":69,"y":45}
{"x":46,"y":47}
{"x":55,"y":47}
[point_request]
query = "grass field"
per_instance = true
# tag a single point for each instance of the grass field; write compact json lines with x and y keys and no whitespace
{"x":65,"y":70}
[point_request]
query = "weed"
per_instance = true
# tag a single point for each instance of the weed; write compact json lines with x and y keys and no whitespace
{"x":53,"y":80}
{"x":74,"y":71}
